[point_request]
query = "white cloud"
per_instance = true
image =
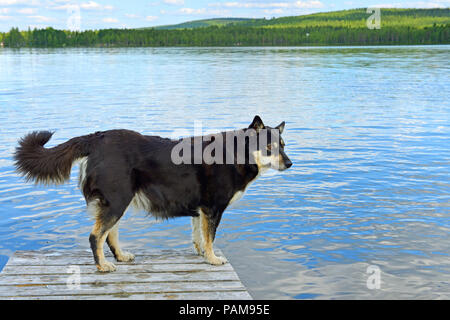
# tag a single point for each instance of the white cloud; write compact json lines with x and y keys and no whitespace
{"x":19,"y":2}
{"x":151,"y":18}
{"x":4,"y":10}
{"x":65,"y":7}
{"x":27,"y":11}
{"x":41,"y":18}
{"x":219,"y":12}
{"x":174,"y":2}
{"x":13,"y":2}
{"x":268,"y":5}
{"x":5,"y":18}
{"x":51,"y":2}
{"x":203,"y":11}
{"x":90,"y":5}
{"x":308,"y":4}
{"x":192,"y":11}
{"x":132,"y":15}
{"x":415,"y":4}
{"x":432,"y":4}
{"x":110,"y":20}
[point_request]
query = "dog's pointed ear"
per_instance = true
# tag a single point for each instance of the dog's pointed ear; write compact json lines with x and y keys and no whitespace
{"x":256,"y":124}
{"x":280,"y":127}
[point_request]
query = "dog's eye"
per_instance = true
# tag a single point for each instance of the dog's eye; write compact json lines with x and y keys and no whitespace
{"x":269,"y":147}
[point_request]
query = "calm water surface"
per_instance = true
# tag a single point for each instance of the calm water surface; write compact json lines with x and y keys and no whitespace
{"x":367,"y":129}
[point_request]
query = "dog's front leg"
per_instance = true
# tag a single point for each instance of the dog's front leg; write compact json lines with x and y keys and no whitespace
{"x":208,"y":227}
{"x":197,"y":236}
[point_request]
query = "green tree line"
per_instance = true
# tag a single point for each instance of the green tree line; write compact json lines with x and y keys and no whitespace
{"x":227,"y":36}
{"x":347,"y":27}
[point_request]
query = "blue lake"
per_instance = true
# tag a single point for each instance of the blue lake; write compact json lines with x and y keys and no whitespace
{"x":367,"y":128}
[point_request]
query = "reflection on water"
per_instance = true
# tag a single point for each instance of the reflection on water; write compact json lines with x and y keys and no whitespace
{"x":367,"y":130}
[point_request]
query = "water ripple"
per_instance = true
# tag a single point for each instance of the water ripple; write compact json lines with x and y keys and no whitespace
{"x":367,"y":130}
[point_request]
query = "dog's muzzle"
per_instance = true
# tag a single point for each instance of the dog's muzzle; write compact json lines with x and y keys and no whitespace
{"x":288,"y":163}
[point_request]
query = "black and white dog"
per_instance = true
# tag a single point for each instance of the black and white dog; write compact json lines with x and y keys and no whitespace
{"x":122,"y":167}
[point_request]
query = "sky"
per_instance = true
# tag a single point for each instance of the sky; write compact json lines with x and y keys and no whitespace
{"x":100,"y":14}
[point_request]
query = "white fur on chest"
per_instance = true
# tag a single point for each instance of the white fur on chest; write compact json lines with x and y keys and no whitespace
{"x":239,"y":194}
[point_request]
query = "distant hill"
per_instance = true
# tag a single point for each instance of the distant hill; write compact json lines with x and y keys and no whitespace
{"x":204,"y":23}
{"x":354,"y":18}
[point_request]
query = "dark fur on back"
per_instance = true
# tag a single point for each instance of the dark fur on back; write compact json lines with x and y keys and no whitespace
{"x":129,"y":163}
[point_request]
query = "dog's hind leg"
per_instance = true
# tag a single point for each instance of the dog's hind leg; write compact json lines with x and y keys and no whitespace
{"x":107,"y":216}
{"x":196,"y":235}
{"x":208,"y":227}
{"x":97,"y":239}
{"x":113,"y":242}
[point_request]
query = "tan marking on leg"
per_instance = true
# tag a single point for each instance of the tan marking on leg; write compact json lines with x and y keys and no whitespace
{"x":113,"y":241}
{"x":103,"y":265}
{"x":209,"y":254}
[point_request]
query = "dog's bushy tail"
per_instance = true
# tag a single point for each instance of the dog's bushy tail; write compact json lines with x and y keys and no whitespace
{"x":52,"y":165}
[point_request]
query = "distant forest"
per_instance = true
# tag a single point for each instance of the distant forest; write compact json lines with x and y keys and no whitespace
{"x":347,"y":27}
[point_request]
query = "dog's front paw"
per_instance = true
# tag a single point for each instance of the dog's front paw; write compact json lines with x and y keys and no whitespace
{"x":215,"y":260}
{"x":125,"y":257}
{"x":106,"y":266}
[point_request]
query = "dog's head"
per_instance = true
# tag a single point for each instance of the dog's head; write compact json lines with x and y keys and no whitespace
{"x":269,"y":151}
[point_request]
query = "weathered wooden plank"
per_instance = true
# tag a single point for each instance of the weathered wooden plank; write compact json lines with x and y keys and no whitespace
{"x":70,"y":259}
{"x":218,"y":295}
{"x":88,"y":252}
{"x":14,"y":280}
{"x":127,"y":288}
{"x":55,"y":258}
{"x":155,"y":274}
{"x":121,"y":268}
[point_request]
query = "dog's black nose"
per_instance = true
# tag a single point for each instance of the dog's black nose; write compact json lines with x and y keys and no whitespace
{"x":288,"y":163}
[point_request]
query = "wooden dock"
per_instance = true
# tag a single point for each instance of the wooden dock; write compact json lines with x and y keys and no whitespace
{"x":155,"y":274}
